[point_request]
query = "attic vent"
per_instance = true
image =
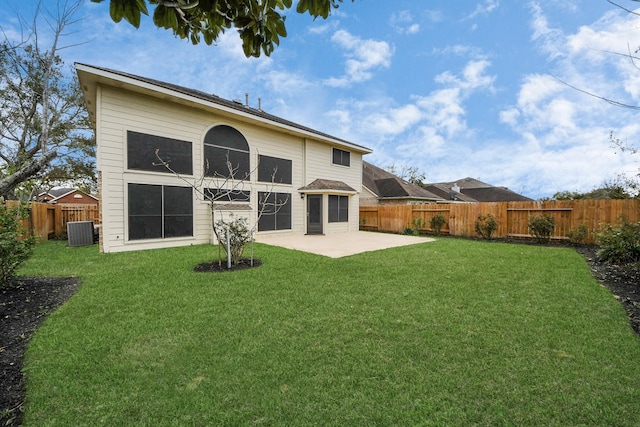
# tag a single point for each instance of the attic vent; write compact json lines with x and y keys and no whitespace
{"x":80,"y":233}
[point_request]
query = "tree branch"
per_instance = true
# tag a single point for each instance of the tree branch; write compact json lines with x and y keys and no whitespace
{"x":610,"y":101}
{"x":29,"y":169}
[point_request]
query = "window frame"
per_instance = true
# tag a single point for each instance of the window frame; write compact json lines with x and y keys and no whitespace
{"x":141,"y":153}
{"x":280,"y":220}
{"x":230,"y":195}
{"x":283,"y":167}
{"x":340,"y":157}
{"x":163,"y":214}
{"x":338,"y":208}
{"x":215,"y":152}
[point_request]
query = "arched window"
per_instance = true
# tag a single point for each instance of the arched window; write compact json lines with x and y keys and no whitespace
{"x":226,"y":153}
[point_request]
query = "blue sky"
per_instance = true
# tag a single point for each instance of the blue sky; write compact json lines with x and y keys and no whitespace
{"x":455,"y":89}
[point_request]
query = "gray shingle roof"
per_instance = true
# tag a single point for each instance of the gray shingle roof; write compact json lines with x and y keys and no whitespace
{"x":238,"y":106}
{"x":327,"y":184}
{"x":473,"y":190}
{"x":386,"y":185}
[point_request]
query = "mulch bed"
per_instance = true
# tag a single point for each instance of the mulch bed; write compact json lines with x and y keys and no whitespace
{"x":220,"y":267}
{"x":26,"y":301}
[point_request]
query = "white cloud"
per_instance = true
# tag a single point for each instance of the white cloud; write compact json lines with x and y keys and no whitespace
{"x":551,"y":40}
{"x":432,"y":127}
{"x":484,"y":8}
{"x":363,"y":57}
{"x":563,"y":132}
{"x":459,"y":50}
{"x":403,"y":22}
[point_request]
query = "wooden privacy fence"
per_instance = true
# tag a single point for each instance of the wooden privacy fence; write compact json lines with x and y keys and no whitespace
{"x":512,"y":217}
{"x":50,"y":221}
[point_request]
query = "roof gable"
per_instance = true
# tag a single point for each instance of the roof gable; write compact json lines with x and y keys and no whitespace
{"x":91,"y":77}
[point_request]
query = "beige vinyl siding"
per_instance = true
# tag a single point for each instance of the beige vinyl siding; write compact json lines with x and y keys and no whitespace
{"x":119,"y":110}
{"x":267,"y":142}
{"x":367,"y":198}
{"x":320,"y":165}
{"x":123,"y":111}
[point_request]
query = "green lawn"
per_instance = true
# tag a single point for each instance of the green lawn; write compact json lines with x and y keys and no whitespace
{"x":453,"y":332}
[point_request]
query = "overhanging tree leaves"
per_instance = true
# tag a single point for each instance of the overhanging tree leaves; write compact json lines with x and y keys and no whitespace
{"x":260,"y":23}
{"x":44,"y":128}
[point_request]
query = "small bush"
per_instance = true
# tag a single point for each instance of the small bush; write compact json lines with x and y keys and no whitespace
{"x":578,"y":234}
{"x":418,"y":224}
{"x":240,"y":236}
{"x":619,"y":244}
{"x":15,"y":247}
{"x":410,"y":232}
{"x":486,"y":225}
{"x":542,"y":226}
{"x":437,"y":222}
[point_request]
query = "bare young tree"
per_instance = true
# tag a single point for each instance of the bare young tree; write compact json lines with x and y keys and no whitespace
{"x":220,"y":191}
{"x":411,"y":174}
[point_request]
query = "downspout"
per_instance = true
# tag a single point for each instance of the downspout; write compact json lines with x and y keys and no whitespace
{"x":304,"y":182}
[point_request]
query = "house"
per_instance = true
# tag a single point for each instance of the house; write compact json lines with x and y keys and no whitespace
{"x":161,"y":146}
{"x":472,"y":190}
{"x":67,"y":196}
{"x":380,"y":187}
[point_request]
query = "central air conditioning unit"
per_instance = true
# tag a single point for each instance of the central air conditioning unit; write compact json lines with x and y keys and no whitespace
{"x":80,"y":233}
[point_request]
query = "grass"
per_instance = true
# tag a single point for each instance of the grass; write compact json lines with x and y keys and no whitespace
{"x":453,"y":332}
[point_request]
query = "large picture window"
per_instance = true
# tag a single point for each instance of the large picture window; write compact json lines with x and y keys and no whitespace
{"x":226,"y":153}
{"x":273,"y":169}
{"x":159,"y":211}
{"x":341,"y":157}
{"x":275,"y":211}
{"x":141,"y":153}
{"x":338,"y":208}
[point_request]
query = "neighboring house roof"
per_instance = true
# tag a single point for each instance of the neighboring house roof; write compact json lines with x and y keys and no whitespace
{"x":445,"y":191}
{"x":57,"y":193}
{"x":473,"y":190}
{"x":386,"y":185}
{"x":92,"y":76}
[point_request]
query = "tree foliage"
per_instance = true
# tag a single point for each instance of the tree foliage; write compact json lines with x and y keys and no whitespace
{"x":45,"y":135}
{"x":260,"y":23}
{"x":411,"y":174}
{"x":15,"y":243}
{"x":609,"y":190}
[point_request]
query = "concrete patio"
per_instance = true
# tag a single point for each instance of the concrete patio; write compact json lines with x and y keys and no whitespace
{"x":342,"y":244}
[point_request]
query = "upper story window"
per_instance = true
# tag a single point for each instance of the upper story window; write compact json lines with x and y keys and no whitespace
{"x":142,"y":148}
{"x":273,"y":169}
{"x":341,"y":157}
{"x":226,"y":153}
